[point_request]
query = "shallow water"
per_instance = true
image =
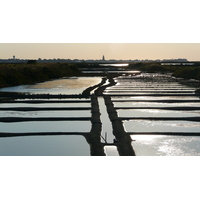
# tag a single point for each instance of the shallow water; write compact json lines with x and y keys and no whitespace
{"x":46,"y":126}
{"x":161,"y":126}
{"x":36,"y":114}
{"x":44,"y":146}
{"x":66,"y":105}
{"x":150,"y":145}
{"x":153,"y":104}
{"x":157,"y":145}
{"x":144,"y":145}
{"x":156,"y":113}
{"x":154,"y":98}
{"x":116,"y":65}
{"x":69,"y":145}
{"x":106,"y":123}
{"x":111,"y":151}
{"x":71,"y":85}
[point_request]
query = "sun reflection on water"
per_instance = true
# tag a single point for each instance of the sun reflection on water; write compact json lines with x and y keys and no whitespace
{"x":163,"y":145}
{"x":147,"y":138}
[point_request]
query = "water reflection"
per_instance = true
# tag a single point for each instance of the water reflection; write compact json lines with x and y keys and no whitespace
{"x":106,"y":123}
{"x":44,"y":146}
{"x":156,"y":113}
{"x":116,"y":65}
{"x":60,"y":86}
{"x":149,"y":145}
{"x":63,"y":145}
{"x":46,"y":126}
{"x":62,"y":105}
{"x":70,"y":145}
{"x":161,"y":126}
{"x":147,"y":98}
{"x":46,"y":114}
{"x":154,"y":104}
{"x":111,"y":151}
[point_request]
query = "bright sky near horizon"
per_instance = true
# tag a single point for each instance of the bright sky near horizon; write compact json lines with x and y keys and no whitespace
{"x":77,"y":29}
{"x":190,"y":51}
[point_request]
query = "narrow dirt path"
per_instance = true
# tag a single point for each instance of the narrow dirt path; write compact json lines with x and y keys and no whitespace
{"x":123,"y":142}
{"x":94,"y":137}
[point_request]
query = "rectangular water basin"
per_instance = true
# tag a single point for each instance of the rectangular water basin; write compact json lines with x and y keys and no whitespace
{"x":151,"y":145}
{"x":46,"y":126}
{"x":44,"y":146}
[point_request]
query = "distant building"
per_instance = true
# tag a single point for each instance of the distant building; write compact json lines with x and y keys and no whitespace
{"x":13,"y":57}
{"x":103,"y":58}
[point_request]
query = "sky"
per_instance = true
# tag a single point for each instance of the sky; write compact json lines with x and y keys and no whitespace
{"x":76,"y":29}
{"x":124,"y":51}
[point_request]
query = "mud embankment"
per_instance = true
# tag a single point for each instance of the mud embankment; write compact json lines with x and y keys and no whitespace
{"x":94,"y":137}
{"x":99,"y":91}
{"x":87,"y":91}
{"x":2,"y":134}
{"x":194,"y":119}
{"x":12,"y":96}
{"x":179,"y":108}
{"x":161,"y":101}
{"x":44,"y":101}
{"x":123,"y":140}
{"x":31,"y":119}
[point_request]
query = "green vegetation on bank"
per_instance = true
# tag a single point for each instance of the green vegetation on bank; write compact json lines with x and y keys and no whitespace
{"x":22,"y":74}
{"x":148,"y":67}
{"x":179,"y":71}
{"x":188,"y":73}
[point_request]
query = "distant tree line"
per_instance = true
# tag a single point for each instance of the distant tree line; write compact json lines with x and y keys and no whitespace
{"x":187,"y":72}
{"x":33,"y":72}
{"x":30,"y":73}
{"x":31,"y":62}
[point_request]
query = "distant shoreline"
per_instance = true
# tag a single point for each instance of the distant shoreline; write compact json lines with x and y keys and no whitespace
{"x":26,"y":74}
